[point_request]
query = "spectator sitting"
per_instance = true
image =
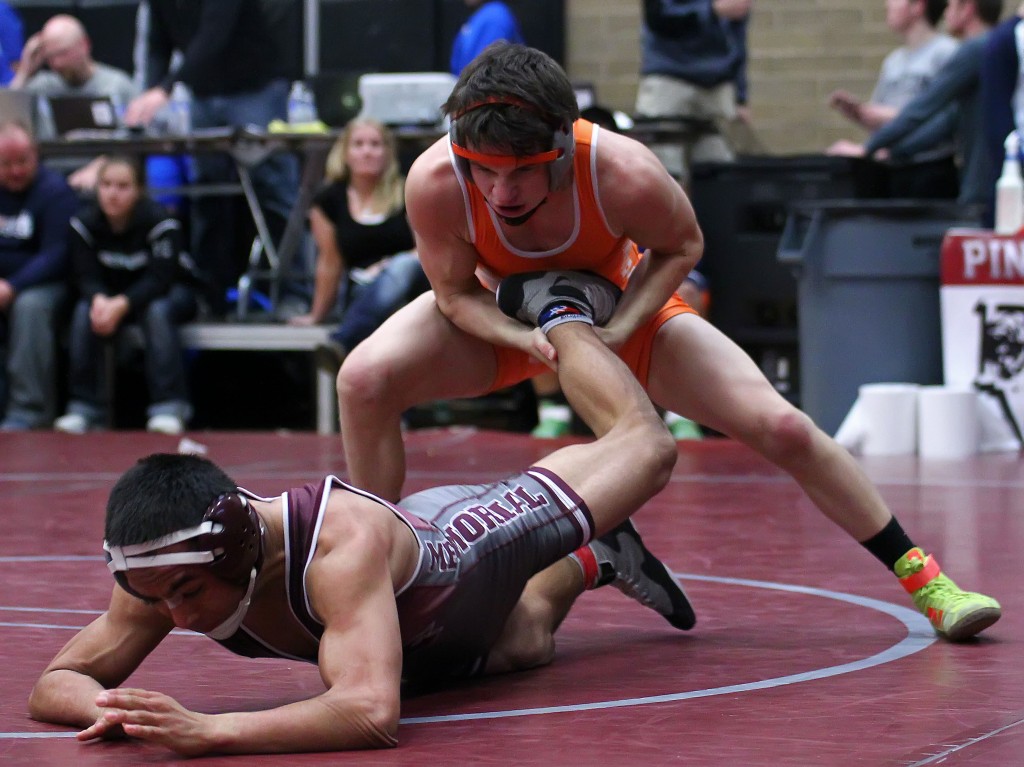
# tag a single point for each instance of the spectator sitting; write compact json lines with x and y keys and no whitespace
{"x":126,"y":255}
{"x":917,"y":126}
{"x":905,"y":73}
{"x":363,"y":238}
{"x":64,"y":47}
{"x":11,"y":40}
{"x":907,"y":69}
{"x":35,"y":205}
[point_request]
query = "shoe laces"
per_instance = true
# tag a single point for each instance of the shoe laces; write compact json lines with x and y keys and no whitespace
{"x":942,"y":587}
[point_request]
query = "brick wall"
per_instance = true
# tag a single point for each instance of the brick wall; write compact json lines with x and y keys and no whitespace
{"x":800,"y":50}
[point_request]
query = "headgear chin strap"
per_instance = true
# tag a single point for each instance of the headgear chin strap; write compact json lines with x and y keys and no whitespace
{"x":228,"y":540}
{"x":559,"y":158}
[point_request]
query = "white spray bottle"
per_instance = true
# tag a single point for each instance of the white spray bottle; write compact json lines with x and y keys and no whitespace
{"x":1010,"y":190}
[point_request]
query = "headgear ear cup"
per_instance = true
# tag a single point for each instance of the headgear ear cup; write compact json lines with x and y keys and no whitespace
{"x":229,"y":537}
{"x":561,"y":169}
{"x":461,"y":162}
{"x":239,"y":540}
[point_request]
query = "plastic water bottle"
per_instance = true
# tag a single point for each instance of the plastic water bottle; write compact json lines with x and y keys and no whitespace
{"x":180,"y":111}
{"x":301,"y":104}
{"x":1010,"y":190}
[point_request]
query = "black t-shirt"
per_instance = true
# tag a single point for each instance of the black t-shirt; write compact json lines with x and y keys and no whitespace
{"x":362,"y":245}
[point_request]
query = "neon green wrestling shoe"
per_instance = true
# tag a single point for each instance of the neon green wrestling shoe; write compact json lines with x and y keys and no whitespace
{"x":554,"y":419}
{"x":683,"y":428}
{"x":956,"y":614}
{"x":551,"y":428}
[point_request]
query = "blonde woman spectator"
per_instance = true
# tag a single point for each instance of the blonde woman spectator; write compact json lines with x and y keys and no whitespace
{"x":365,"y":248}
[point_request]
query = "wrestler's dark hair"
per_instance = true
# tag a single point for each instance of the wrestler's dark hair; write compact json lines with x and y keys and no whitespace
{"x":933,"y":10}
{"x":161,"y":494}
{"x":543,"y":101}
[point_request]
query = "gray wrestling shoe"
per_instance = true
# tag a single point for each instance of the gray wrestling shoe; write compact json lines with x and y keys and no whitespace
{"x":546,"y":299}
{"x":626,"y":564}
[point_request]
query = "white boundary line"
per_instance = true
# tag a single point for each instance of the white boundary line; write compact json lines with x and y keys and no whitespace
{"x":919,"y":636}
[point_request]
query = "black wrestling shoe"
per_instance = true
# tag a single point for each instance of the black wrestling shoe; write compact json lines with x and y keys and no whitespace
{"x":625,"y":563}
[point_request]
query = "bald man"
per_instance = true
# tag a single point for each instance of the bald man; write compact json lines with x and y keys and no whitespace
{"x":63,"y":46}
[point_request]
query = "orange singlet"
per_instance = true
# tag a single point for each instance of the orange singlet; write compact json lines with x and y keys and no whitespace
{"x":591,"y":246}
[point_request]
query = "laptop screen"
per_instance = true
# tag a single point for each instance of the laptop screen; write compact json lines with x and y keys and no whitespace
{"x":73,"y":113}
{"x":19,"y":106}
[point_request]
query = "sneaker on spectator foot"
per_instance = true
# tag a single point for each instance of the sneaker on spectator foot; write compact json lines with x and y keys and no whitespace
{"x":954,"y":613}
{"x":72,"y":423}
{"x":165,"y":423}
{"x":626,"y":564}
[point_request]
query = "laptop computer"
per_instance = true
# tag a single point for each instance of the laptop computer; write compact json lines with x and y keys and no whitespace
{"x":83,"y":113}
{"x":19,"y":106}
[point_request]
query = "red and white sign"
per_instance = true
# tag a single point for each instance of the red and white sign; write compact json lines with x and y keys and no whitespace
{"x":982,"y":310}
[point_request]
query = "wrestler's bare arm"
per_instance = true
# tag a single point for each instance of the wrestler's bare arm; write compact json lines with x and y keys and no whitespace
{"x":437,"y":214}
{"x":351,"y":590}
{"x":643,"y":202}
{"x":101,"y":655}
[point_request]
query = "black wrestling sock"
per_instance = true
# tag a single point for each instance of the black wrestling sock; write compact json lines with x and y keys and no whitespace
{"x":890,"y":544}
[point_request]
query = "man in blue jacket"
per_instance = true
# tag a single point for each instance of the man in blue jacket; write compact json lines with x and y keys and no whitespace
{"x":920,"y":123}
{"x":694,"y":67}
{"x":35,"y":207}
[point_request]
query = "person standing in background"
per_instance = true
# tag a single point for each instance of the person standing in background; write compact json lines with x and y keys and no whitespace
{"x":694,"y":68}
{"x":12,"y":37}
{"x":232,"y":63}
{"x":490,"y":22}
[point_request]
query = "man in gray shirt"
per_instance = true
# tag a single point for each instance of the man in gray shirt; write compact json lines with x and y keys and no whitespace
{"x":63,"y":46}
{"x":919,"y":125}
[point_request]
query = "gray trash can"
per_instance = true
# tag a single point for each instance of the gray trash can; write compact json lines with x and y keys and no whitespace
{"x":867,"y":295}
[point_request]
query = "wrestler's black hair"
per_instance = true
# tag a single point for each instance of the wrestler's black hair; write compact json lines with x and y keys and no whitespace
{"x":510,"y":99}
{"x":161,"y":494}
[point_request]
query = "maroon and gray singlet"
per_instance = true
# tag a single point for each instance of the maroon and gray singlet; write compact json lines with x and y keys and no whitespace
{"x":478,"y":546}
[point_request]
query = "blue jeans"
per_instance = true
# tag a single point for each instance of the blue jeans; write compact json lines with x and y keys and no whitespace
{"x":276,"y":180}
{"x":368,"y":305}
{"x":164,"y":361}
{"x":28,"y":342}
